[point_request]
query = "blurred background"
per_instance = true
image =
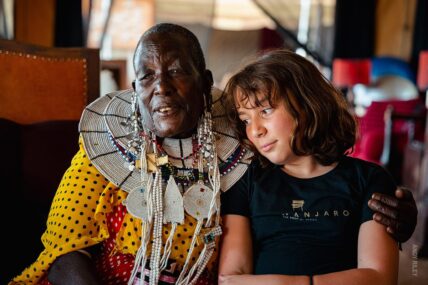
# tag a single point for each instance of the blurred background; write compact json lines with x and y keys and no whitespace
{"x":375,"y":52}
{"x":229,"y":30}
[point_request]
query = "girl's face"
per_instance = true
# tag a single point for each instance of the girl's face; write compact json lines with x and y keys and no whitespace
{"x":268,"y":128}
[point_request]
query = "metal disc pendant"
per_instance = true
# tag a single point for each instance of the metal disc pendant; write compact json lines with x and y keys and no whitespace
{"x":136,"y":203}
{"x":197,"y":201}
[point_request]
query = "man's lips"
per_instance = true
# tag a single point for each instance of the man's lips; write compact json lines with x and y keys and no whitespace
{"x":165,"y":110}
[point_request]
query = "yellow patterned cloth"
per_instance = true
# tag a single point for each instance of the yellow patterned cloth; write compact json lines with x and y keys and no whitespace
{"x":78,"y":219}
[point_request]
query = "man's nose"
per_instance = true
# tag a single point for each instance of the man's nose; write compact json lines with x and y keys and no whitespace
{"x":163,"y":85}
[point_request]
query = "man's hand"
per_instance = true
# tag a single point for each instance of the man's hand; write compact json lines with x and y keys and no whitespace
{"x":397,"y":213}
{"x":73,"y":268}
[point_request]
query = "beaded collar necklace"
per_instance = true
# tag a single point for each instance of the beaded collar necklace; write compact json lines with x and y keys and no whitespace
{"x":183,"y":175}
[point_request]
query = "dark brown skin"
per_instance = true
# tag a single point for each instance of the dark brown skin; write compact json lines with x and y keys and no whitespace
{"x":73,"y":268}
{"x":398,"y":214}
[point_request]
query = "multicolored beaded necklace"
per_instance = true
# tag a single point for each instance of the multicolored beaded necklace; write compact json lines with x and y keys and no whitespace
{"x":184,"y":176}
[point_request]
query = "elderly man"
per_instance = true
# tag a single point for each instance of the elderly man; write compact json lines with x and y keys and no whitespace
{"x":140,"y":200}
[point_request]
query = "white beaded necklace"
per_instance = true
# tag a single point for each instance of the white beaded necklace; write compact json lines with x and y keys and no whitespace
{"x":155,"y":207}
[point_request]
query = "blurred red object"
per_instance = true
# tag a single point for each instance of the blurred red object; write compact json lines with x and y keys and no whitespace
{"x":370,"y":144}
{"x":423,"y":70}
{"x":348,"y":72}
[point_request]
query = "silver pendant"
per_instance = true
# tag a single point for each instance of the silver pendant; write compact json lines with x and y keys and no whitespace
{"x":136,"y":203}
{"x":173,"y":203}
{"x":197,"y":201}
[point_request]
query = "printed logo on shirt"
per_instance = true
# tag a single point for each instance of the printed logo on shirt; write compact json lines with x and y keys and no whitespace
{"x":300,"y":214}
{"x":296,"y":204}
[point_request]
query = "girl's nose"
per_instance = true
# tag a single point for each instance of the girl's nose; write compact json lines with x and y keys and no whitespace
{"x":257,"y":129}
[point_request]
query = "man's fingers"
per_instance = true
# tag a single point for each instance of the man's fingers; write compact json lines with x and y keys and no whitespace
{"x":386,"y":199}
{"x":404,"y":193}
{"x":383,"y":208}
{"x":392,"y":226}
{"x":384,"y":220}
{"x":399,"y":232}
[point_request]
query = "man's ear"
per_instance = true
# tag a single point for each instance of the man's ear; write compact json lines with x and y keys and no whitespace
{"x":133,"y":85}
{"x":208,"y":84}
{"x":209,"y":81}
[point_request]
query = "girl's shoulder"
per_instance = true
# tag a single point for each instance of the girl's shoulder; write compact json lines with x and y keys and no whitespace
{"x":365,"y":169}
{"x":257,"y":170}
{"x":359,"y":164}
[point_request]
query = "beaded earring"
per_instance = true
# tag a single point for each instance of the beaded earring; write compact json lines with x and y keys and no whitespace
{"x":157,"y":218}
{"x":174,"y":214}
{"x":136,"y":144}
{"x":145,"y":201}
{"x":210,"y":155}
{"x":201,"y":201}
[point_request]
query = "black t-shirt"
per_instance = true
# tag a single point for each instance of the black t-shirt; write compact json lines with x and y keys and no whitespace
{"x":306,"y":226}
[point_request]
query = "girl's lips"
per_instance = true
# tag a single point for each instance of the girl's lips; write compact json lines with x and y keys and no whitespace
{"x":268,"y":147}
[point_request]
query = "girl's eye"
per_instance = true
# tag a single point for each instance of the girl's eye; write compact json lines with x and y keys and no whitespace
{"x":244,"y":121}
{"x":267,"y":111}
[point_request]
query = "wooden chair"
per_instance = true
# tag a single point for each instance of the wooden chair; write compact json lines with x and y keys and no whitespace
{"x":44,"y":83}
{"x":43,"y":92}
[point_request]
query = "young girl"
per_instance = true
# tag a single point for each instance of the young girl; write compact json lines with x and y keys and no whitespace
{"x":299,"y":215}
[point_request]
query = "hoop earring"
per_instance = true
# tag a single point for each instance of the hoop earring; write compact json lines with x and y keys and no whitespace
{"x":134,"y":116}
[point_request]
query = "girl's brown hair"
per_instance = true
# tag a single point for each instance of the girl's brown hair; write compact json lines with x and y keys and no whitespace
{"x":323,"y":125}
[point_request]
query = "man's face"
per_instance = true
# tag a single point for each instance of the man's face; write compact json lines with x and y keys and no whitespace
{"x":169,"y":86}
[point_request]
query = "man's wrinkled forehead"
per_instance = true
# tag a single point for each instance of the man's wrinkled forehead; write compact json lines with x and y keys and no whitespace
{"x":165,"y":48}
{"x":154,"y":53}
